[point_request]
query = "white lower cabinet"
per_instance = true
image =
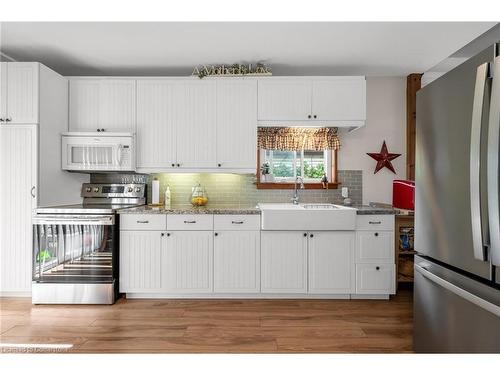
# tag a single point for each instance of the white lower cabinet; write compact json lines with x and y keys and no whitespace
{"x":237,"y":262}
{"x":140,"y":261}
{"x":187,"y":262}
{"x":284,"y":262}
{"x":375,"y":278}
{"x":331,"y":262}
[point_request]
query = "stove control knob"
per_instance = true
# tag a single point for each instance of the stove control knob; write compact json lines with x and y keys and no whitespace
{"x":89,"y":189}
{"x":137,"y":189}
{"x":130,"y":189}
{"x":96,"y":190}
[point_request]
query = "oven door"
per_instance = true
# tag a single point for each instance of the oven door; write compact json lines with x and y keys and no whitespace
{"x":86,"y":153}
{"x":74,"y":249}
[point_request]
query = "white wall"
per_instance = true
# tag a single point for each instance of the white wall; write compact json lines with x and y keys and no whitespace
{"x":386,"y":120}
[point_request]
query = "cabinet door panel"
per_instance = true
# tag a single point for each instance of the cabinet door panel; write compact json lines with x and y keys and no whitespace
{"x":140,"y":261}
{"x":339,"y":99}
{"x":237,"y":262}
{"x":374,"y":246}
{"x":22,"y":93}
{"x":331,"y":262}
{"x":375,"y":278}
{"x":194,"y":117}
{"x":156,"y":131}
{"x":237,"y":123}
{"x":18,"y":173}
{"x":102,"y":103}
{"x":84,"y":103}
{"x":188,"y":262}
{"x":283,"y":262}
{"x":284,"y":99}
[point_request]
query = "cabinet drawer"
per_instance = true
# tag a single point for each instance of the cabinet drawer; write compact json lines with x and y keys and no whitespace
{"x":190,"y":222}
{"x":375,"y":222}
{"x":143,"y":222}
{"x":237,"y":222}
{"x":375,"y":278}
{"x":374,"y":246}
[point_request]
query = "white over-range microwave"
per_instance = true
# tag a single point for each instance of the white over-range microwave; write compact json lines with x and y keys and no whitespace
{"x":98,"y":151}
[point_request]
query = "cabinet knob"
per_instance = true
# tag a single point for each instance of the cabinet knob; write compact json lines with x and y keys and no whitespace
{"x":173,"y":164}
{"x":309,"y":116}
{"x":376,"y":234}
{"x":219,"y":165}
{"x":311,"y":235}
{"x":1,"y":119}
{"x":216,"y":234}
{"x":162,"y":234}
{"x":315,"y":116}
{"x":168,"y":234}
{"x":305,"y":234}
{"x":377,"y":268}
{"x":178,"y":165}
{"x":9,"y":119}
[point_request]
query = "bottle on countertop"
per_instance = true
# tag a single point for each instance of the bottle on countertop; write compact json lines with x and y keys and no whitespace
{"x":168,"y":198}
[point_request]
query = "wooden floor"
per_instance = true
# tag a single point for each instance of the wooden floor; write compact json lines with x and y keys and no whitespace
{"x":215,"y":326}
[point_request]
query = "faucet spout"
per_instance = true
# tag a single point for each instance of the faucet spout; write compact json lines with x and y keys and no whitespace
{"x":295,"y":199}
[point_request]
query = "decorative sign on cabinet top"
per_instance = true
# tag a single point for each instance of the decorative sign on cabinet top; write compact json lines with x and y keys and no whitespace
{"x":234,"y":70}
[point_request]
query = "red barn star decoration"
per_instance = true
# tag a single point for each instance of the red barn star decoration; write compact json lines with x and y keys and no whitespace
{"x":383,"y":158}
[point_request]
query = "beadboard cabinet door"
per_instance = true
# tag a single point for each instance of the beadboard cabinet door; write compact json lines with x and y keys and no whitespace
{"x":284,"y":99}
{"x":18,"y":198}
{"x":22,"y":93}
{"x":237,"y":261}
{"x":140,"y":261}
{"x":188,"y":262}
{"x":283,"y":262}
{"x":108,"y":104}
{"x":237,"y":123}
{"x":194,"y":111}
{"x":340,"y":98}
{"x":156,"y":130}
{"x":3,"y":92}
{"x":331,"y":262}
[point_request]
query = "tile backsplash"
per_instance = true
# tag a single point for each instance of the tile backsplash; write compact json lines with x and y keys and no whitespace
{"x":240,"y":189}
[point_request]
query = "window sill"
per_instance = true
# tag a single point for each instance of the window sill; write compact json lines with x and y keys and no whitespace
{"x":291,"y":185}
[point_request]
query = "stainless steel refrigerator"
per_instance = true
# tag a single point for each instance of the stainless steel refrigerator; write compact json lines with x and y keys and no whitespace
{"x":457,"y":233}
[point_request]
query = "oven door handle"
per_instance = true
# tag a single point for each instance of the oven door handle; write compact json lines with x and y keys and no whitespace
{"x":74,"y":220}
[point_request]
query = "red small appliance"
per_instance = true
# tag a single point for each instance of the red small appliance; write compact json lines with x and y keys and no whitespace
{"x":403,"y":194}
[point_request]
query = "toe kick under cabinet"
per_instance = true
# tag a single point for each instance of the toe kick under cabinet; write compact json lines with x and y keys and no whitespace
{"x":228,"y":256}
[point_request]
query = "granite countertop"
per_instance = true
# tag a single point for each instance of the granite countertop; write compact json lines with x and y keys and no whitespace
{"x":234,"y":209}
{"x":375,"y":210}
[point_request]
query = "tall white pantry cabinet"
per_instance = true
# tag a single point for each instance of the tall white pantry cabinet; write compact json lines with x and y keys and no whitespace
{"x":33,"y":113}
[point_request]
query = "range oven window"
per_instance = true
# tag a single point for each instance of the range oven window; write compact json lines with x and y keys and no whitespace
{"x":66,"y":253}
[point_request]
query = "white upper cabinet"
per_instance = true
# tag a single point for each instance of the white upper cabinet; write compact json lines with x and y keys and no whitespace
{"x":156,"y":131}
{"x":339,"y":99}
{"x":194,"y":115}
{"x":284,"y":99}
{"x":19,"y":82}
{"x":237,"y":123}
{"x":108,"y":104}
{"x":312,"y":101}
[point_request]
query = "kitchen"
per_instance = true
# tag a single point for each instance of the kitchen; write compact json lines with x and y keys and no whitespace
{"x":255,"y":207}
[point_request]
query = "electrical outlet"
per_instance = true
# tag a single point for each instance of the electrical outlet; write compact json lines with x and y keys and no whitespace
{"x":345,"y":192}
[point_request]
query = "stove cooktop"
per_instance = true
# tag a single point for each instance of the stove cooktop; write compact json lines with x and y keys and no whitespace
{"x":84,"y":208}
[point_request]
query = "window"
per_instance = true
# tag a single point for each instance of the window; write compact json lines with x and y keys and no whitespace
{"x":279,"y":169}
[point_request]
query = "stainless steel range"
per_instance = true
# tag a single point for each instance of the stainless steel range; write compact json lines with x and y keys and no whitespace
{"x":75,"y":247}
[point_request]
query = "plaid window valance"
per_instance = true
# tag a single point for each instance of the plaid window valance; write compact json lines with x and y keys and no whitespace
{"x":296,"y":139}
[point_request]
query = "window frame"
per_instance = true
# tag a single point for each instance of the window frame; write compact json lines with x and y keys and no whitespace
{"x":332,"y":161}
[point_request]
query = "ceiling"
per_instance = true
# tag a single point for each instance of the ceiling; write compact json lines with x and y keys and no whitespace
{"x":290,"y":48}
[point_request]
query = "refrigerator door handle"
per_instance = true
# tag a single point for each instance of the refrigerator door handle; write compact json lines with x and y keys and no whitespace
{"x":482,"y":303}
{"x":493,"y":165}
{"x":479,"y":243}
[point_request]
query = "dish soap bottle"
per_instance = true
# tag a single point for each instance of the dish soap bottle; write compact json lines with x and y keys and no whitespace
{"x":168,"y":199}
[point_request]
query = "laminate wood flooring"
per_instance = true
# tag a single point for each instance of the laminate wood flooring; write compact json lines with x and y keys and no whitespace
{"x":213,"y":326}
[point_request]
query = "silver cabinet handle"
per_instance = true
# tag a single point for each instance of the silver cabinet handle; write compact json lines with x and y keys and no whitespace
{"x":493,"y":165}
{"x":472,"y":298}
{"x":237,"y":222}
{"x":475,"y":164}
{"x":189,"y":222}
{"x":374,"y":222}
{"x":33,"y":191}
{"x":142,"y":221}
